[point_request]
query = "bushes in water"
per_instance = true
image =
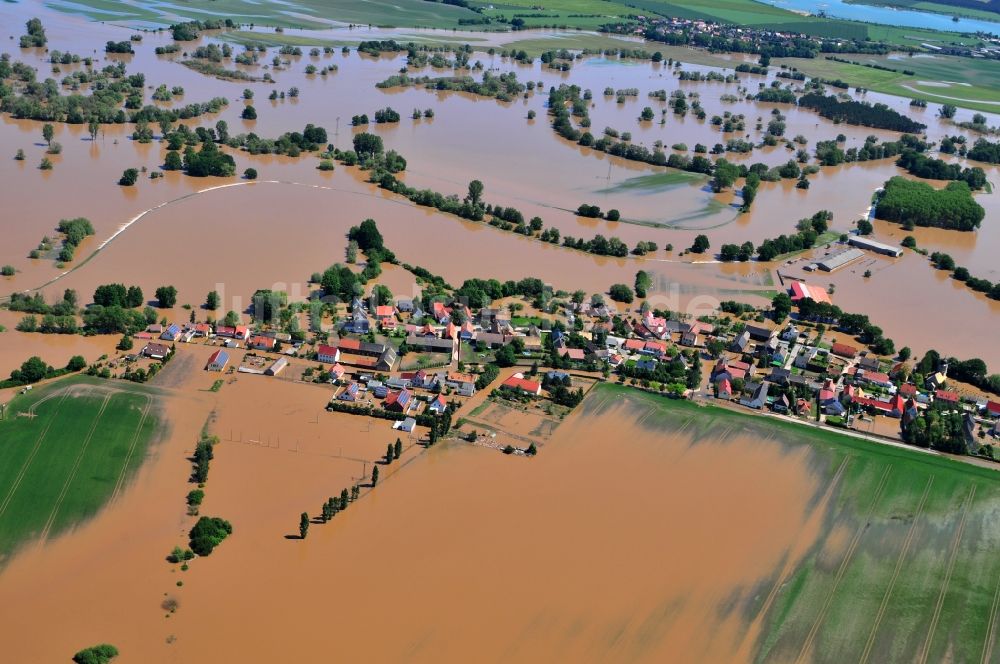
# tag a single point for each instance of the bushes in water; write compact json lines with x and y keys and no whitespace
{"x":208,"y":533}
{"x":100,"y":654}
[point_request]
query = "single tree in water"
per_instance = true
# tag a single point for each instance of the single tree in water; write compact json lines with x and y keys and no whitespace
{"x":388,"y":454}
{"x":344,"y":499}
{"x":374,"y":475}
{"x":397,"y":449}
{"x":93,"y":127}
{"x":303,"y":525}
{"x":48,"y":131}
{"x":475,"y":192}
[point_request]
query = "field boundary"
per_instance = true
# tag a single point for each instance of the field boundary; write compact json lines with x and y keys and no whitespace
{"x":789,"y":566}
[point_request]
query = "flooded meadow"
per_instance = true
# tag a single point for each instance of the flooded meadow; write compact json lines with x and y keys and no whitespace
{"x":644,"y":530}
{"x":656,"y":509}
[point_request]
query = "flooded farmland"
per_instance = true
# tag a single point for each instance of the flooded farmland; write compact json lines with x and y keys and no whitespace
{"x":521,"y":162}
{"x":645,"y":529}
{"x":658,"y":513}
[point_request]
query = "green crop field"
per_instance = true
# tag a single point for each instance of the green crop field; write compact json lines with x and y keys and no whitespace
{"x":309,"y":14}
{"x":584,"y":14}
{"x":964,"y":82}
{"x":907,"y":566}
{"x":65,"y":450}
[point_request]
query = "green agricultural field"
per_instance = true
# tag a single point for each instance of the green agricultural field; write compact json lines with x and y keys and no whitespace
{"x":964,"y":82}
{"x":583,"y":14}
{"x":309,"y":14}
{"x":65,"y":450}
{"x":906,"y":568}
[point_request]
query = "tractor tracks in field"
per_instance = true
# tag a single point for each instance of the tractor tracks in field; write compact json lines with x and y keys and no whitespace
{"x":810,"y":639}
{"x":907,"y":543}
{"x":949,"y":569}
{"x":76,"y":466}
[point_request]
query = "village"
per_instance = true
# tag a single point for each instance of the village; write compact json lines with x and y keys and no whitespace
{"x":416,"y":364}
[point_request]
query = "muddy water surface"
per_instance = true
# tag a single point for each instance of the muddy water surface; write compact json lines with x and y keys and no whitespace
{"x":619,"y":540}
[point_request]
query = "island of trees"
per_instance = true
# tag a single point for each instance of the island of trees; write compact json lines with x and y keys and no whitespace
{"x":878,"y":116}
{"x":918,"y":204}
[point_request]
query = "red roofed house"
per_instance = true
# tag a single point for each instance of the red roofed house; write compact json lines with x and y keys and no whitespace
{"x":439,"y":405}
{"x":946,"y":396}
{"x":572,"y":353}
{"x":349,"y":345}
{"x":802,"y":290}
{"x":701,"y":327}
{"x":993,"y":408}
{"x":337,"y":372}
{"x":655,"y":325}
{"x":242,"y":332}
{"x":894,"y":407}
{"x":908,"y":390}
{"x":217,"y":361}
{"x":872,"y":377}
{"x":399,"y":401}
{"x":635,"y":345}
{"x":263,"y":343}
{"x":827,"y":393}
{"x":328,"y":354}
{"x":657,"y":348}
{"x":464,"y":384}
{"x":441,"y":313}
{"x":202,"y":330}
{"x":725,"y":389}
{"x":518,"y":383}
{"x":385,"y":311}
{"x":843,"y":350}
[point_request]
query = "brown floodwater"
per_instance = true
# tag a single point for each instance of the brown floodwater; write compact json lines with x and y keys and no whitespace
{"x":55,"y":349}
{"x":611,"y":509}
{"x":554,"y":178}
{"x":243,"y":238}
{"x":459,"y":549}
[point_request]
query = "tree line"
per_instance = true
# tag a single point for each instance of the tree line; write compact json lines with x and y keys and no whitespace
{"x":878,"y":116}
{"x":857,"y":325}
{"x":937,"y":169}
{"x":943,"y":261}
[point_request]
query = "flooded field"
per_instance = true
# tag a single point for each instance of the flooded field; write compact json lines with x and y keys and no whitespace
{"x":528,"y":166}
{"x":654,"y":508}
{"x":644,"y":530}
